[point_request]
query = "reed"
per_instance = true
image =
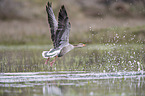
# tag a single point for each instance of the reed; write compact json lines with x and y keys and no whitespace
{"x":96,"y":58}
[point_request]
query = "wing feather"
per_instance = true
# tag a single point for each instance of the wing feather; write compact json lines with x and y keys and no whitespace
{"x":62,"y":33}
{"x":52,"y":21}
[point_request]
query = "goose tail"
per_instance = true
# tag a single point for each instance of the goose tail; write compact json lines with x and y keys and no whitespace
{"x":44,"y":54}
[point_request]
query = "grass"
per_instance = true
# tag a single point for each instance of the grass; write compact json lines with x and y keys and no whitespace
{"x":112,"y":35}
{"x":108,"y":35}
{"x":96,"y":58}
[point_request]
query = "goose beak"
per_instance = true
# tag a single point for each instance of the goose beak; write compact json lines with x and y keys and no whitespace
{"x":84,"y":45}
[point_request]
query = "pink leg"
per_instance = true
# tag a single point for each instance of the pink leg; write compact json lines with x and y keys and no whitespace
{"x":51,"y":63}
{"x":46,"y":62}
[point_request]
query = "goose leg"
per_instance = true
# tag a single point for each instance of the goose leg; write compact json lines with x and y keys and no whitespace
{"x":47,"y":60}
{"x":51,"y":63}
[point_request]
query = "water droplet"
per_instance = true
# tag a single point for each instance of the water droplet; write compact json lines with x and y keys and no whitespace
{"x":132,"y":38}
{"x":131,"y":57}
{"x":91,"y":93}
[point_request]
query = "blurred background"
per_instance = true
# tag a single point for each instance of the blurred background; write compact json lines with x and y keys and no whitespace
{"x":92,"y":21}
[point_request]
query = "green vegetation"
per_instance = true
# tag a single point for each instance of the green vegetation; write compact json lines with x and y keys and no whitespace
{"x":112,"y":35}
{"x":96,"y":58}
{"x":107,"y":35}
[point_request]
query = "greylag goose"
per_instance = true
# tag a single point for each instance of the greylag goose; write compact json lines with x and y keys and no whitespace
{"x":59,"y":34}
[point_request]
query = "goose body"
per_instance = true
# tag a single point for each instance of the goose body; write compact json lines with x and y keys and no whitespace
{"x":59,"y":34}
{"x":58,"y":51}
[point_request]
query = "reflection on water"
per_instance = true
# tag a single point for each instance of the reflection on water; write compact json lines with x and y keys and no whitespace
{"x":72,"y":83}
{"x":96,"y":70}
{"x":51,"y":90}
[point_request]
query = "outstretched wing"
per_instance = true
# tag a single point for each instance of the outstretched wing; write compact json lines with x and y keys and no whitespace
{"x":52,"y":21}
{"x":62,"y":33}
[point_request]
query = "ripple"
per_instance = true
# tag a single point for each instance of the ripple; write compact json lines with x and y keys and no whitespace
{"x":64,"y":75}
